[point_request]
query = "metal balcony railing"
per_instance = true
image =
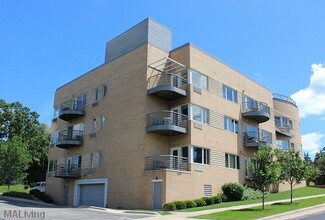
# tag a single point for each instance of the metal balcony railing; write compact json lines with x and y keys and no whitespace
{"x":167,"y":122}
{"x":167,"y":79}
{"x":67,"y":171}
{"x":71,"y":109}
{"x":70,"y":135}
{"x":284,"y":98}
{"x":166,"y":162}
{"x":283,"y":127}
{"x":257,"y":138}
{"x":69,"y":138}
{"x":167,"y":85}
{"x":256,"y":110}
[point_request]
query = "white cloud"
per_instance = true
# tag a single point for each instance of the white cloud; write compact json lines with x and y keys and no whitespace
{"x":311,"y":143}
{"x":311,"y":100}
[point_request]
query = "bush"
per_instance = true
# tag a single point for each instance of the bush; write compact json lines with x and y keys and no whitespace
{"x":34,"y":191}
{"x":224,"y":198}
{"x":26,"y":187}
{"x":180,"y":205}
{"x":250,"y":194}
{"x":190,"y":204}
{"x":199,"y":202}
{"x":45,"y":198}
{"x":217,"y":199}
{"x":21,"y":195}
{"x":169,"y":207}
{"x":233,"y":191}
{"x":208,"y":200}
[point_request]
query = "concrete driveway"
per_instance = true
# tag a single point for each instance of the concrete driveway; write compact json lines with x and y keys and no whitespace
{"x":15,"y":209}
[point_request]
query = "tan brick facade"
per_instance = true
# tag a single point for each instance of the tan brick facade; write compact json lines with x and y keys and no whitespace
{"x":129,"y":152}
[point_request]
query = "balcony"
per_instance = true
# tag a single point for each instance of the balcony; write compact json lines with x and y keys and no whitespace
{"x":69,"y":138}
{"x":167,"y":86}
{"x":72,"y":109}
{"x":257,"y":111}
{"x":256,"y":139}
{"x":167,"y":162}
{"x":67,"y":171}
{"x":283,"y":98}
{"x":283,"y":129}
{"x":167,"y":123}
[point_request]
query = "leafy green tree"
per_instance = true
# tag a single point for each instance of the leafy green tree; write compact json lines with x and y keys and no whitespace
{"x":14,"y":160}
{"x":292,"y":168}
{"x":307,"y":158}
{"x":266,"y":171}
{"x":312,"y":173}
{"x":17,"y":120}
{"x":319,"y":155}
{"x":320,"y":164}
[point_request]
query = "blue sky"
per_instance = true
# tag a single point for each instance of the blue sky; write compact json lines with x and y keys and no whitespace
{"x":280,"y":44}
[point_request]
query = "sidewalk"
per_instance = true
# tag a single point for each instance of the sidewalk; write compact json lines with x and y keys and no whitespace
{"x":185,"y":215}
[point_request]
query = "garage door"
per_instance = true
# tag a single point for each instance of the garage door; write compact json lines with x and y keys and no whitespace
{"x":92,"y":194}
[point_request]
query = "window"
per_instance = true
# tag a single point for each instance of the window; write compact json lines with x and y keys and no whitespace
{"x":207,"y":190}
{"x":282,"y":122}
{"x":282,"y":144}
{"x":94,"y":126}
{"x":78,"y":127}
{"x":229,"y":93}
{"x":91,"y":159}
{"x":96,"y":98}
{"x":200,"y":114}
{"x":199,"y":80}
{"x":54,"y":137}
{"x":232,"y":161}
{"x":102,"y":121}
{"x":104,"y":90}
{"x":230,"y":124}
{"x":201,"y":155}
{"x":52,"y":165}
{"x":248,"y":173}
{"x":81,"y":101}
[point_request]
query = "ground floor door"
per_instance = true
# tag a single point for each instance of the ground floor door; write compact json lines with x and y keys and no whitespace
{"x":66,"y":195}
{"x":157,"y":195}
{"x":92,"y":194}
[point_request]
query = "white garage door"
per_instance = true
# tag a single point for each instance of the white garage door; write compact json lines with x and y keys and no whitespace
{"x":92,"y":194}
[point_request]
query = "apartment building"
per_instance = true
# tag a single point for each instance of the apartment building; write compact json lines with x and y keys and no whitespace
{"x":154,"y":124}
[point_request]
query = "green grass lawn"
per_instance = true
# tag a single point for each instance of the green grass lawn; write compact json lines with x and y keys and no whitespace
{"x":17,"y":188}
{"x":257,"y":212}
{"x":301,"y":192}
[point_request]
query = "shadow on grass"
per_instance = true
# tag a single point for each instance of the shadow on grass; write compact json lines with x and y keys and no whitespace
{"x":284,"y":203}
{"x":249,"y":210}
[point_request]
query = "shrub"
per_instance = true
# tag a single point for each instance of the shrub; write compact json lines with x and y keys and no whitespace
{"x":250,"y":194}
{"x":45,"y":198}
{"x":217,"y":199}
{"x":190,"y":204}
{"x":180,"y":205}
{"x":208,"y":200}
{"x":224,"y":198}
{"x":21,"y":195}
{"x":26,"y":187}
{"x":199,"y":202}
{"x":169,"y":207}
{"x":233,"y":191}
{"x":34,"y":191}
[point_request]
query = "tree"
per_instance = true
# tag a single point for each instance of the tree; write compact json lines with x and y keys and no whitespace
{"x":14,"y":160}
{"x":319,"y":155}
{"x":266,"y":170}
{"x":320,"y":164}
{"x":312,"y":173}
{"x":19,"y":121}
{"x":292,"y":168}
{"x":307,"y":158}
